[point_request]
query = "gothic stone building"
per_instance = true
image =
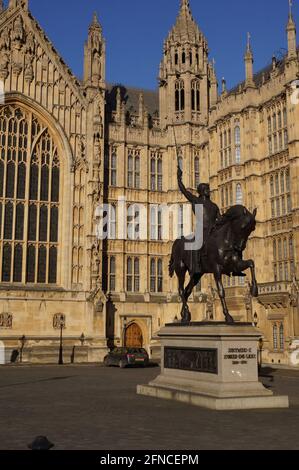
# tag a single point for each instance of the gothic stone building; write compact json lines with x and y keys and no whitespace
{"x":69,"y":145}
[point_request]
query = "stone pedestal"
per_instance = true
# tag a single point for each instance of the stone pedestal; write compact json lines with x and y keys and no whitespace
{"x":212,"y":365}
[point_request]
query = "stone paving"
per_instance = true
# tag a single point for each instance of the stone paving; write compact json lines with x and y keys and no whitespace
{"x":96,"y":408}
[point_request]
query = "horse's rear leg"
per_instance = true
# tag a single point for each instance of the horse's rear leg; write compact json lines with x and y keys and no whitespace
{"x":221,"y":292}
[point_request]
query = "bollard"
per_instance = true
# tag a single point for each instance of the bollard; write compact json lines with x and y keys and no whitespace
{"x":41,"y":443}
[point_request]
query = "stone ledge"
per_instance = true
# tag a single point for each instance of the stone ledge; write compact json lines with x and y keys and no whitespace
{"x":212,"y":403}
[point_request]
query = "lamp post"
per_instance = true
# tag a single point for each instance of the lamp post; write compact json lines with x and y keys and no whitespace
{"x":261,"y":345}
{"x":61,"y":324}
{"x":22,"y":341}
{"x":124,"y":331}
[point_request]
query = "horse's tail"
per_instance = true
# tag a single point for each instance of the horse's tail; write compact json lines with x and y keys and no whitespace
{"x":171,"y":267}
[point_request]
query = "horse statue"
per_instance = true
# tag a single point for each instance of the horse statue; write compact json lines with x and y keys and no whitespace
{"x":221,"y":254}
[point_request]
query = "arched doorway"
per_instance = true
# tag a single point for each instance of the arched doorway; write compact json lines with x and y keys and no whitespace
{"x":133,"y":336}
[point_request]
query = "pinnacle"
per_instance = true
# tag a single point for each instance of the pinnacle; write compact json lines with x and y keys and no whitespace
{"x":185,"y":27}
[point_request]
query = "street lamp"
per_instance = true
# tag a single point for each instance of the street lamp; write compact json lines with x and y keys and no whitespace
{"x":22,"y":341}
{"x":261,"y":345}
{"x":124,"y":331}
{"x":61,"y":325}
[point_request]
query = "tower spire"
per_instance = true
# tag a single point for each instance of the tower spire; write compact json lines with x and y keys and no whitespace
{"x":249,"y":63}
{"x":18,"y":3}
{"x":94,"y":55}
{"x":291,"y":33}
{"x":185,"y":4}
{"x":290,"y":8}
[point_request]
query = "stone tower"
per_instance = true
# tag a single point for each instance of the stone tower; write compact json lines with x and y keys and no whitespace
{"x":291,"y":32}
{"x":185,"y":73}
{"x":249,"y":64}
{"x":94,"y":83}
{"x":94,"y":55}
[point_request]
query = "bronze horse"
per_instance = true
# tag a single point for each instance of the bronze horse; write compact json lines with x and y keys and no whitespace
{"x":221,"y":255}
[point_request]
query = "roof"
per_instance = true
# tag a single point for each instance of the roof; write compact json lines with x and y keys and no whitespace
{"x":130,"y":96}
{"x":261,"y":76}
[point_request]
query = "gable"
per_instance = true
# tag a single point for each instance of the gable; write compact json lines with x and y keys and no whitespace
{"x":30,"y":65}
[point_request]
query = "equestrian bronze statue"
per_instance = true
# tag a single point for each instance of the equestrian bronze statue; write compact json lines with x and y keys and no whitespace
{"x":224,"y":240}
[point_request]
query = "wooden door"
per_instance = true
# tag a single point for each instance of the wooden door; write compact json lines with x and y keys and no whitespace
{"x":133,"y":336}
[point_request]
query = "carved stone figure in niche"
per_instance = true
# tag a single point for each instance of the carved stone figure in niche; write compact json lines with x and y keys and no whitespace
{"x":30,"y":44}
{"x":17,"y":33}
{"x":6,"y":320}
{"x":4,"y":61}
{"x":95,"y":41}
{"x":96,"y":69}
{"x":97,"y":147}
{"x":4,"y":40}
{"x":29,"y":75}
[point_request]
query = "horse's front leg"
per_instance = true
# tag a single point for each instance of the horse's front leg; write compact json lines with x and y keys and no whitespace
{"x":242,"y":266}
{"x":185,"y":312}
{"x":221,"y":292}
{"x":193,"y":282}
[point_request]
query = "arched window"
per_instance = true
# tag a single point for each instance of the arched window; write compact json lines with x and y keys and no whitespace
{"x":129,"y":275}
{"x":112,"y":222}
{"x":153,"y":275}
{"x":112,"y":273}
{"x":156,"y":171}
{"x":136,"y":275}
{"x":281,"y":337}
{"x":113,"y":167}
{"x":196,"y":172}
{"x":237,"y":144}
{"x":133,"y":173}
{"x":176,"y":58}
{"x":29,"y":199}
{"x":156,"y":223}
{"x":275,"y":338}
{"x":239,"y":194}
{"x":179,"y":95}
{"x":133,"y":222}
{"x":156,"y":275}
{"x":272,"y":186}
{"x":195,"y":95}
{"x":183,"y":57}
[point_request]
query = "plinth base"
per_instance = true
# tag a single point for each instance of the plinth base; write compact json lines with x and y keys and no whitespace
{"x":212,"y":366}
{"x":213,"y":403}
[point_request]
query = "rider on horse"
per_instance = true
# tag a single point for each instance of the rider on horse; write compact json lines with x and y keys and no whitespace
{"x":211,"y":212}
{"x":211,"y":216}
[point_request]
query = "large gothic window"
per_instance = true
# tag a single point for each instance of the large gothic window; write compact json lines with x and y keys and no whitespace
{"x":29,"y":199}
{"x":195,"y":95}
{"x":179,"y":95}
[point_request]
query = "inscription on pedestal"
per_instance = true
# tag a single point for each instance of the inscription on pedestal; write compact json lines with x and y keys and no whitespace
{"x":191,"y":359}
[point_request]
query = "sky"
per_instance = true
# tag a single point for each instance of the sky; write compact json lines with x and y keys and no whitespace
{"x":135,"y":30}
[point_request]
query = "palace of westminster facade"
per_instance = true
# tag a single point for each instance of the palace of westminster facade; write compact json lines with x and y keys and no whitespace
{"x":67,"y":146}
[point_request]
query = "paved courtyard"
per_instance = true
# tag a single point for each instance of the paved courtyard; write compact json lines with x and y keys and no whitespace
{"x":91,"y":407}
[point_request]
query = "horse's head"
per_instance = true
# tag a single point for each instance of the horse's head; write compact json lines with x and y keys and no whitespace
{"x":242,"y":223}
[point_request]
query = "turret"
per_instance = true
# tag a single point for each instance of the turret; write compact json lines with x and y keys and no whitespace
{"x":94,"y":55}
{"x":291,"y":33}
{"x":248,"y":64}
{"x":184,"y":72}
